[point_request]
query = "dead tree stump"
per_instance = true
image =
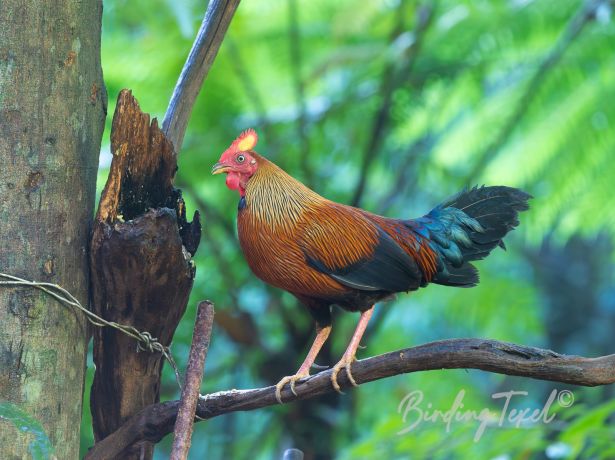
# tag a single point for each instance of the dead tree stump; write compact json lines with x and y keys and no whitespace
{"x":141,"y":267}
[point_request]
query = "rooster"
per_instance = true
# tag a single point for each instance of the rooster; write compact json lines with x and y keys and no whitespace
{"x":326,"y":253}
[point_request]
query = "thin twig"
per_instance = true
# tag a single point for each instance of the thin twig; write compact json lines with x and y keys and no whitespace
{"x":392,"y":77}
{"x":155,"y":421}
{"x":584,"y":15}
{"x":406,"y":180}
{"x":204,"y":50}
{"x":194,"y":376}
{"x":295,"y":61}
{"x":242,"y":70}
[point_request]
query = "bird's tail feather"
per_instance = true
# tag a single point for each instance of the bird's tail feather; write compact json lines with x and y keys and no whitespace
{"x":467,"y":227}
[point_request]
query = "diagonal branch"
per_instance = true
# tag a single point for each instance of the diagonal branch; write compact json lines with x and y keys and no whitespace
{"x":157,"y":420}
{"x":241,"y":70}
{"x":392,"y":77}
{"x":295,"y":56}
{"x":585,"y":14}
{"x":204,"y":50}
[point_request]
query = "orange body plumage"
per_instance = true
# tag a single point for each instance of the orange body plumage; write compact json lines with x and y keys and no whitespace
{"x":280,"y":222}
{"x":327,"y":253}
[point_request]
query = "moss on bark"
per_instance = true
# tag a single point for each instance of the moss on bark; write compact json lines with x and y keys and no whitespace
{"x":52,"y":111}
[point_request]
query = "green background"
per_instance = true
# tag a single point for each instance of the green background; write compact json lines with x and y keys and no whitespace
{"x":515,"y":92}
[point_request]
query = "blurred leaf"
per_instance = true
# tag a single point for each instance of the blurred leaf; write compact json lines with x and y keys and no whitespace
{"x":40,"y":447}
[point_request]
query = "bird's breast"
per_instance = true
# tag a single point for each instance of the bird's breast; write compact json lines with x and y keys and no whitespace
{"x":273,"y":254}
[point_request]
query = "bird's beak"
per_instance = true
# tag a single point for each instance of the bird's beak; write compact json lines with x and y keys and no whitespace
{"x":220,"y":168}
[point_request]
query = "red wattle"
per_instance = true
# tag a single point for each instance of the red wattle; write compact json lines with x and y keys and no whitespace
{"x":232,"y":181}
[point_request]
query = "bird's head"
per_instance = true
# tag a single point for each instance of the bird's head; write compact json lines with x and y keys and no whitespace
{"x":238,"y":161}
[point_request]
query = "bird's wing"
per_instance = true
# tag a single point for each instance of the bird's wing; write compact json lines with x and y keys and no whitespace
{"x":346,"y":245}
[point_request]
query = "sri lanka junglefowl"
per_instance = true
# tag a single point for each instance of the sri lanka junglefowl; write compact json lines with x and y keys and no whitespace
{"x":326,"y":253}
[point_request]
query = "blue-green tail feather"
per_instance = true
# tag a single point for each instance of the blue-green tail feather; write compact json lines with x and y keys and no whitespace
{"x":467,"y":227}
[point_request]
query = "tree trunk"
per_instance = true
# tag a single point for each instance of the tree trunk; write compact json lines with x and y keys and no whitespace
{"x":52,"y":111}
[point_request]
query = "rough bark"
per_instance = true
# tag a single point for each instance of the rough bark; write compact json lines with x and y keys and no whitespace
{"x":52,"y":110}
{"x":141,"y":266}
{"x":194,"y":377}
{"x":142,"y":243}
{"x":157,"y":420}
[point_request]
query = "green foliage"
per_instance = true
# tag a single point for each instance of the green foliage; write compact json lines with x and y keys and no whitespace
{"x":493,"y":92}
{"x":589,"y":435}
{"x":24,"y":424}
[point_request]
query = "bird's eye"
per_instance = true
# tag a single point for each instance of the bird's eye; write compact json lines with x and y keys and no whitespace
{"x":240,"y":158}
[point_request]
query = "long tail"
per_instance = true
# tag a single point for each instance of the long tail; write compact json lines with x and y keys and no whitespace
{"x":468,"y":226}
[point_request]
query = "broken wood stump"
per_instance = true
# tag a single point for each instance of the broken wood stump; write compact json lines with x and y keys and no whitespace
{"x":141,"y":268}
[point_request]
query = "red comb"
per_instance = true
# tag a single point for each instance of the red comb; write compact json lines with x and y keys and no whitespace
{"x":246,"y":141}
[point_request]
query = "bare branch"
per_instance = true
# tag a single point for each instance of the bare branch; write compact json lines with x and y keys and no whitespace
{"x":406,"y":180}
{"x":295,"y":58}
{"x":194,"y":376}
{"x":391,"y":79}
{"x":241,"y":70}
{"x":155,"y":421}
{"x":204,"y":50}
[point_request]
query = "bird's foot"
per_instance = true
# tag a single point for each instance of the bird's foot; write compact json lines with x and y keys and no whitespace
{"x":292,"y":379}
{"x":344,"y":363}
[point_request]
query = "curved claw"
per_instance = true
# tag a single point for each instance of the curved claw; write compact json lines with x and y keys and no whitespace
{"x":346,"y":363}
{"x":292,"y":387}
{"x":279,"y":387}
{"x":349,"y":375}
{"x":292,"y":379}
{"x":336,"y":386}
